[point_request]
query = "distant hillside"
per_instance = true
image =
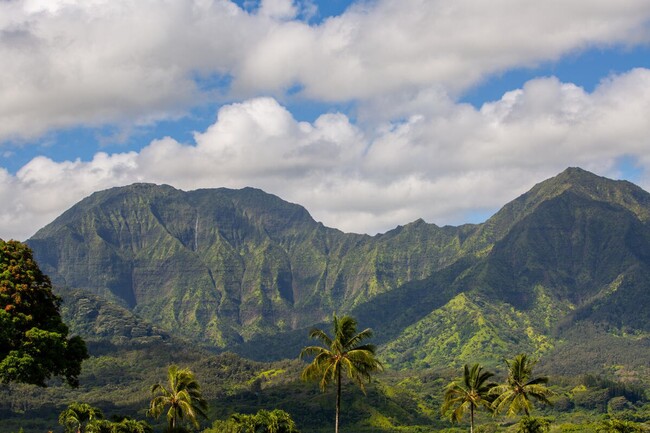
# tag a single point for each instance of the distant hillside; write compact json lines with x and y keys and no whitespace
{"x":243,"y":270}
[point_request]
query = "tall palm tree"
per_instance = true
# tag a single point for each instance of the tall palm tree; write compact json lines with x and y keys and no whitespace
{"x":77,"y":416}
{"x":341,"y":354}
{"x":468,"y":392}
{"x":182,"y":396}
{"x":520,"y":386}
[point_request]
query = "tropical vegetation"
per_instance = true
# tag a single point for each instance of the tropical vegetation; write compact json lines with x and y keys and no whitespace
{"x":614,"y":425}
{"x":84,"y":418}
{"x":243,"y":394}
{"x":264,"y":421}
{"x":529,"y":424}
{"x":77,"y":417}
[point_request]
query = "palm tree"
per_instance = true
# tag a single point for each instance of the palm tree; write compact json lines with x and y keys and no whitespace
{"x":77,"y":416}
{"x":243,"y":423}
{"x":128,"y":425}
{"x":342,"y":354}
{"x":264,"y":421}
{"x":516,"y":393}
{"x":100,"y":426}
{"x":275,"y":421}
{"x":468,"y":392}
{"x":182,"y":396}
{"x":619,"y":426}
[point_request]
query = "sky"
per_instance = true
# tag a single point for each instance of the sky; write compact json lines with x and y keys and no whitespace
{"x":371,"y":114}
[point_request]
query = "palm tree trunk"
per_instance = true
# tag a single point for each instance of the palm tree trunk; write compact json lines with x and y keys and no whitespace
{"x":338,"y":400}
{"x":471,"y":418}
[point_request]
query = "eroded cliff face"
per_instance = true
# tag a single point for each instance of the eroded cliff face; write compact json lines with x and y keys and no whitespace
{"x":224,"y":266}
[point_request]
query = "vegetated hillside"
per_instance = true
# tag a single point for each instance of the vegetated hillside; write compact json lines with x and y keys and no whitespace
{"x":246,"y":271}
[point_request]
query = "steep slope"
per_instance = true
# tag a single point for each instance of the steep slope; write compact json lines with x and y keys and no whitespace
{"x":97,"y":319}
{"x":223,"y":266}
{"x":574,"y":251}
{"x":587,"y":241}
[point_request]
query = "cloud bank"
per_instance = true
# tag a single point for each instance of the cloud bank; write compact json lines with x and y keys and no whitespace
{"x":68,"y":63}
{"x":444,"y":162}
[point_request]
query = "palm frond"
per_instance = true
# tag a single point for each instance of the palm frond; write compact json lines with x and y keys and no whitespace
{"x":355,"y":340}
{"x":319,"y":334}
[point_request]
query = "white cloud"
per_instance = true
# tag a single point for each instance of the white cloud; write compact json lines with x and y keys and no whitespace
{"x":279,"y":9}
{"x":390,"y":46}
{"x":445,"y":162}
{"x":68,"y":63}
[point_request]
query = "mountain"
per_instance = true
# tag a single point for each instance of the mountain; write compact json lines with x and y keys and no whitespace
{"x":224,"y":266}
{"x":246,"y":271}
{"x":580,"y":238}
{"x":573,"y":252}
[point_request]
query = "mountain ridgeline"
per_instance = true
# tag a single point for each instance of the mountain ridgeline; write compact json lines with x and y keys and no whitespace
{"x":244,"y":270}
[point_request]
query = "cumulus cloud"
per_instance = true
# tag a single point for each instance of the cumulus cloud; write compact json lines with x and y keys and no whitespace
{"x":445,"y":163}
{"x":69,"y":62}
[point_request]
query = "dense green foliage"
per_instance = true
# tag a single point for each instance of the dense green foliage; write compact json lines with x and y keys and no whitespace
{"x":33,"y":338}
{"x":264,"y":421}
{"x":621,"y":426}
{"x":84,"y":418}
{"x":529,"y":424}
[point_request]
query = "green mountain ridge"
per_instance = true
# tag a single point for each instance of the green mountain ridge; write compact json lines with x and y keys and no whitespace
{"x":227,"y":265}
{"x":243,"y":270}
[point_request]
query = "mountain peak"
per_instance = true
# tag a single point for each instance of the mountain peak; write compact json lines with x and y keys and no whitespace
{"x":578,"y":178}
{"x":578,"y":181}
{"x":598,"y":188}
{"x":576,"y":172}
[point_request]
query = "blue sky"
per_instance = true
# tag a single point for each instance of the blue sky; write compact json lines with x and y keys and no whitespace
{"x":370,"y":114}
